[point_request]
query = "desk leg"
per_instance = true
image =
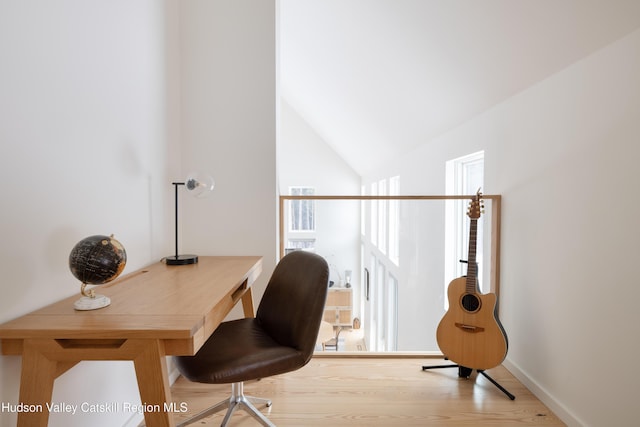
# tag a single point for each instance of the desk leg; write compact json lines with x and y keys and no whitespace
{"x":153,"y":382}
{"x":36,"y":386}
{"x":247,"y":304}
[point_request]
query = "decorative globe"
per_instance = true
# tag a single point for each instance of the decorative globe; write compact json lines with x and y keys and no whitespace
{"x":97,"y":259}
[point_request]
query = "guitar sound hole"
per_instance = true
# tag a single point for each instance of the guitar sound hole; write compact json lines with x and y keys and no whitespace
{"x":470,"y":303}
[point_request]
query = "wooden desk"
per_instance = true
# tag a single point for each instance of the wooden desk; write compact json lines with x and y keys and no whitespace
{"x":156,"y":311}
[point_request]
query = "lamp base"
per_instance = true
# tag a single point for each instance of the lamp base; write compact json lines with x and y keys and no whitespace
{"x":181,"y":259}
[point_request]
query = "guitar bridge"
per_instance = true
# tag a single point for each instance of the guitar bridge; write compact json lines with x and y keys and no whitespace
{"x":469,"y":328}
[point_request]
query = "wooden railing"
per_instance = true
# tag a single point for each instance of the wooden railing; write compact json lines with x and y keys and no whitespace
{"x":491,"y":261}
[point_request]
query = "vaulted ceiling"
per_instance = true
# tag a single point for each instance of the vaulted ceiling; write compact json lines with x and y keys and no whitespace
{"x":376,"y":78}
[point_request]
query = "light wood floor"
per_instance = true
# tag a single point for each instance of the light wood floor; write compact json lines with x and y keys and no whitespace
{"x":369,"y":392}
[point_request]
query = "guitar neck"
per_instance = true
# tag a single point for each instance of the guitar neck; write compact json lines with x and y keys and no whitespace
{"x":472,"y":267}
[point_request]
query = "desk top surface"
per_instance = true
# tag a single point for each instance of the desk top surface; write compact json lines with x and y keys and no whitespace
{"x":158,"y":301}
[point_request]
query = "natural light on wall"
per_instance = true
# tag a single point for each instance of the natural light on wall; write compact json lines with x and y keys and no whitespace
{"x":464,"y":176}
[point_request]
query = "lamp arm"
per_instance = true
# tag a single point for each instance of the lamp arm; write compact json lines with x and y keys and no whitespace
{"x":198,"y":188}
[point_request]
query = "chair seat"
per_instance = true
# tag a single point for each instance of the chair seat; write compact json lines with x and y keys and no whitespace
{"x":239,"y":350}
{"x":280,"y":339}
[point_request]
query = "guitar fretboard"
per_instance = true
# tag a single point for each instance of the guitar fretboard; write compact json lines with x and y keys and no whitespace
{"x":471,"y":259}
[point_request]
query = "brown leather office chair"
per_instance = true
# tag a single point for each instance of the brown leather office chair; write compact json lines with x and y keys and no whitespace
{"x":281,"y":338}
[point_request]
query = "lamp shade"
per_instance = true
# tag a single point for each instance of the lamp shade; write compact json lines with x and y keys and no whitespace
{"x":199,"y":185}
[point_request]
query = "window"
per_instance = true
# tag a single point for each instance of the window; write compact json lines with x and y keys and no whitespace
{"x":394,"y":221}
{"x":465,"y":175}
{"x":374,"y":215}
{"x":392,"y":314}
{"x":380,"y":296}
{"x":382,"y":217}
{"x":302,"y":212}
{"x":372,"y":313}
{"x":363,"y":206}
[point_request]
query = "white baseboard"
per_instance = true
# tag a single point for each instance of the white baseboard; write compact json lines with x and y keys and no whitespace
{"x":134,"y":421}
{"x":541,"y":393}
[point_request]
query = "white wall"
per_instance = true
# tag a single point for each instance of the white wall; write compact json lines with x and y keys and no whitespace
{"x":86,"y":136}
{"x":228,"y":117}
{"x":305,"y":159}
{"x":563,"y":154}
{"x":93,"y":96}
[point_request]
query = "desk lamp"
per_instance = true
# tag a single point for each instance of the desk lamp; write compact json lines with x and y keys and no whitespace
{"x":199,"y":186}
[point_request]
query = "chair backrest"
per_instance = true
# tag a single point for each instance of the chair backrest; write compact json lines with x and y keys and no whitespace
{"x":293,"y":303}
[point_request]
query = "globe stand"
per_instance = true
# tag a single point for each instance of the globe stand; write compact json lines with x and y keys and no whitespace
{"x":90,"y":301}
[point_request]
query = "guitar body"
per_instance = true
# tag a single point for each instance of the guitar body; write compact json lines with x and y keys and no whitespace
{"x":470,"y":333}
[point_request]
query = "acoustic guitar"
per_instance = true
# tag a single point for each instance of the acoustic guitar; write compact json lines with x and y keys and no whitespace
{"x":470,"y":333}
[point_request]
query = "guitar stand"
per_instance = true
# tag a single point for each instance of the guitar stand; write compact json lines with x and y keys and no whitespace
{"x":464,"y":372}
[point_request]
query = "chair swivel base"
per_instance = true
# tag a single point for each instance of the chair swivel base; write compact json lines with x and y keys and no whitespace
{"x":238,"y":400}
